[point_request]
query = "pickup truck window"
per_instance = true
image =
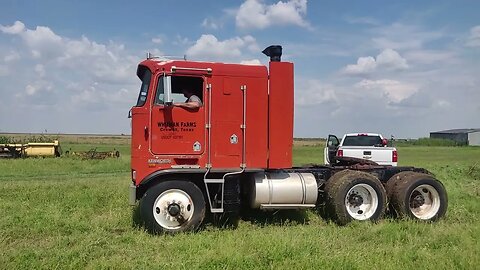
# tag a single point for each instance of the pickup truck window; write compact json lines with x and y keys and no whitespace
{"x":362,"y":141}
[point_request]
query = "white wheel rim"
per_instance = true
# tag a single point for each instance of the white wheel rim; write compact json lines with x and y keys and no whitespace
{"x":424,"y":202}
{"x":361,"y":202}
{"x":173,"y":198}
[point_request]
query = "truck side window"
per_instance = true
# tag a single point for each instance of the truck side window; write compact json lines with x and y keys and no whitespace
{"x":194,"y":84}
{"x":145,"y":75}
{"x":159,"y":98}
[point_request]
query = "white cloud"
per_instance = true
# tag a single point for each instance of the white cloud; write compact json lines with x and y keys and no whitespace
{"x":12,"y":56}
{"x":314,"y":92}
{"x":40,"y":70}
{"x":364,"y":65}
{"x":391,"y":59}
{"x":16,"y":28}
{"x":399,"y":36}
{"x":59,"y":60}
{"x":157,"y":40}
{"x":474,"y":38}
{"x":210,"y":23}
{"x":388,"y":59}
{"x":429,"y":56}
{"x":99,"y":61}
{"x":395,"y":91}
{"x":208,"y":47}
{"x":254,"y":62}
{"x":442,"y":104}
{"x":36,"y":87}
{"x":255,"y":14}
{"x":179,"y":40}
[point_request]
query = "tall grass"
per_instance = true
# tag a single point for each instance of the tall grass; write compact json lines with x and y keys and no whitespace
{"x":68,"y":213}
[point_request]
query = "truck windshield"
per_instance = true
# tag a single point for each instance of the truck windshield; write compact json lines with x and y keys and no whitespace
{"x":145,"y":75}
{"x":362,"y":141}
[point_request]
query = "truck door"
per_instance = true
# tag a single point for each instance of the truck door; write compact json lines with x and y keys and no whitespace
{"x":176,"y":130}
{"x":228,"y":113}
{"x":330,"y":149}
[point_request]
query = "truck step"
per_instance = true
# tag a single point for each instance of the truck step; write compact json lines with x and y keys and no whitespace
{"x":214,"y":181}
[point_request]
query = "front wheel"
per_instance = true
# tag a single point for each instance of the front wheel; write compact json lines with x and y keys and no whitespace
{"x":172,"y":206}
{"x":417,"y":196}
{"x":354,"y":195}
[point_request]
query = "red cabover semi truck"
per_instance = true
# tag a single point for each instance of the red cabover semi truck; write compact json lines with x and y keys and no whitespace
{"x":235,"y":151}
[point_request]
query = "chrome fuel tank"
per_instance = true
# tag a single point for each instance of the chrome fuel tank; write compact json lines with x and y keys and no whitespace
{"x":283,"y":190}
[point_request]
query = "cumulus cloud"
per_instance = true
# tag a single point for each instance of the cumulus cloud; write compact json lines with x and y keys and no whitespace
{"x":210,"y":23}
{"x":388,"y":59}
{"x":36,"y":87}
{"x":474,"y":38}
{"x":255,"y":14}
{"x":394,"y":90}
{"x":50,"y":61}
{"x":16,"y":28}
{"x":314,"y":92}
{"x":208,"y":47}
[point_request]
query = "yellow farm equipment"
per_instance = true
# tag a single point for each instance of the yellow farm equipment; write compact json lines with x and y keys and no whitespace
{"x":33,"y":149}
{"x":94,"y":154}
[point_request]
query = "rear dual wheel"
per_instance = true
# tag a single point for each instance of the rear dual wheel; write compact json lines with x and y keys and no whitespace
{"x":354,"y":195}
{"x":417,"y":196}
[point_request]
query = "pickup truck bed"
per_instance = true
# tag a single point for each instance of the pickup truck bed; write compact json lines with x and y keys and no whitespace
{"x":369,"y":146}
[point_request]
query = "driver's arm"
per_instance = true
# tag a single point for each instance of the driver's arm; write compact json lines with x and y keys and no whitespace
{"x":188,"y":105}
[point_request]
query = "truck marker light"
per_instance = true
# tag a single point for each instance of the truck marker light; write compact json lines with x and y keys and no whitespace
{"x":134,"y":175}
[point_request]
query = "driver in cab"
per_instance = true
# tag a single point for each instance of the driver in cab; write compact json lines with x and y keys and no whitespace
{"x":193,"y":101}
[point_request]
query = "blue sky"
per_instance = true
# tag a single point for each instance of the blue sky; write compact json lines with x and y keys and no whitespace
{"x":401,"y":68}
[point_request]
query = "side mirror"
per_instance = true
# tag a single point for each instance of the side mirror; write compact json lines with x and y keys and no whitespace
{"x":130,"y":113}
{"x":167,"y":90}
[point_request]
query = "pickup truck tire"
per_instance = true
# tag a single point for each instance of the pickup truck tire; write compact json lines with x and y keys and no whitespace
{"x":172,"y":206}
{"x":417,"y":196}
{"x":354,"y":195}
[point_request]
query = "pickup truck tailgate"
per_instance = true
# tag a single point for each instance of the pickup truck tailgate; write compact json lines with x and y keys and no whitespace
{"x":381,"y":155}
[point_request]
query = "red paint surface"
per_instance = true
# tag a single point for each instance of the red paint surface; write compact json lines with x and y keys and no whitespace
{"x":281,"y":115}
{"x":164,"y":136}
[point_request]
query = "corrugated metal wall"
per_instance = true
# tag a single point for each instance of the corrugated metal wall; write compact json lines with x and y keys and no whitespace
{"x":461,"y":138}
{"x":474,"y":138}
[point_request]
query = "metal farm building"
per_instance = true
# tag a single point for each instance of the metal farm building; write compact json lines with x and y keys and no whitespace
{"x":468,"y":136}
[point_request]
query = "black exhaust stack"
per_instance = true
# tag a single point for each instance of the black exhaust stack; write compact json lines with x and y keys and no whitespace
{"x":274,"y":52}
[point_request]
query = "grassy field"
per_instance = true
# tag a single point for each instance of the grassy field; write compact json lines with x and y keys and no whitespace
{"x":69,"y":213}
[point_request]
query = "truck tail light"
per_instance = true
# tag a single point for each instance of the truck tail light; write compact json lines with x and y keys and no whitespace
{"x":340,"y":153}
{"x":134,"y":175}
{"x":394,"y":156}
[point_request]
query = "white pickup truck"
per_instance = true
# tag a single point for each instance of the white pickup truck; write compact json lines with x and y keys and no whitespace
{"x":369,"y":146}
